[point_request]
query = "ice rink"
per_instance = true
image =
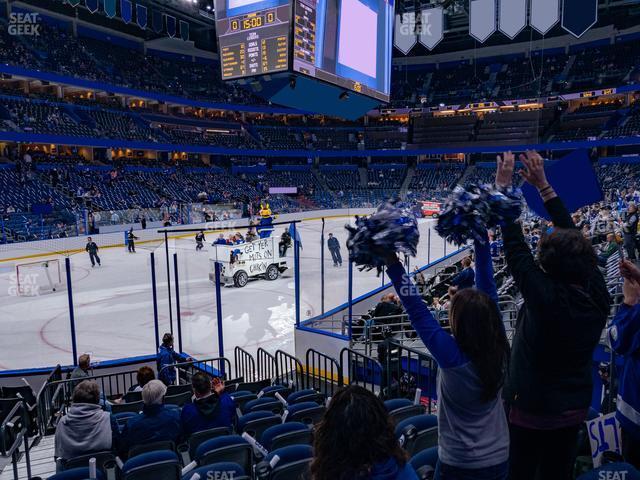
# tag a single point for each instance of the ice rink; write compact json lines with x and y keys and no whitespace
{"x":113,"y":303}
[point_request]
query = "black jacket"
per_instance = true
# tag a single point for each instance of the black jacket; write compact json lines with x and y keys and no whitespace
{"x":91,"y":247}
{"x":557,"y":330}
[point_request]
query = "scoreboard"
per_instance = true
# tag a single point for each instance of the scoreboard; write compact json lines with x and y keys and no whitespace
{"x":253,"y":37}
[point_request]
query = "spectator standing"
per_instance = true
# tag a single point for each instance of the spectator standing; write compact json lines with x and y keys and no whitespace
{"x":630,"y":230}
{"x":334,"y":248}
{"x":167,"y":356}
{"x":211,"y":407}
{"x":86,"y":427}
{"x":356,"y":440}
{"x":92,"y":250}
{"x":566,"y":304}
{"x":467,"y":277}
{"x":624,"y":338}
{"x":473,"y":434}
{"x":82,"y":370}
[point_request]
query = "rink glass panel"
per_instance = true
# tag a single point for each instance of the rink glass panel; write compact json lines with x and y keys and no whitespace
{"x":113,"y":303}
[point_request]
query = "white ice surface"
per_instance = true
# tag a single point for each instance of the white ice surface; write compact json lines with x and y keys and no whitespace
{"x":114,"y":309}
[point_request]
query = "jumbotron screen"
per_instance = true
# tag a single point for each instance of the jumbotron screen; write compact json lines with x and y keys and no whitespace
{"x":253,"y":36}
{"x":345,"y":42}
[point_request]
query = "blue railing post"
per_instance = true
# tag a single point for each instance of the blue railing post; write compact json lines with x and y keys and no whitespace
{"x":155,"y":301}
{"x":72,"y":319}
{"x":178,"y":318}
{"x":322,"y":268}
{"x":429,"y":246}
{"x":296,"y":272}
{"x":219,"y":313}
{"x":166,"y":254}
{"x":350,"y":300}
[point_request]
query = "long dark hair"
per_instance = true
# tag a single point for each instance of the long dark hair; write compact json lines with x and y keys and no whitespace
{"x":477,"y":326}
{"x":355,"y":434}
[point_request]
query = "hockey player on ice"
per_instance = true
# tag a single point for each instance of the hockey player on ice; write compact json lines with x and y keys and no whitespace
{"x":200,"y":241}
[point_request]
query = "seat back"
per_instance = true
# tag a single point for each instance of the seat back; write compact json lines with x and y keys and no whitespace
{"x":155,"y":465}
{"x":421,"y":440}
{"x":402,"y":413}
{"x":310,"y":415}
{"x":105,"y":460}
{"x":81,"y":473}
{"x":135,"y":407}
{"x":253,"y":387}
{"x":229,"y":470}
{"x":293,"y":462}
{"x":179,"y":399}
{"x":131,"y":397}
{"x":226,"y":449}
{"x":198,"y":438}
{"x":178,"y":390}
{"x":144,"y":448}
{"x":255,"y":427}
{"x":293,"y":438}
{"x":25,"y":391}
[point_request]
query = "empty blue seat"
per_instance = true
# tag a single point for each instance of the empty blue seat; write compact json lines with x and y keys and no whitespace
{"x":306,"y":395}
{"x":158,"y":465}
{"x":424,"y":462}
{"x":271,"y":390}
{"x":255,"y":423}
{"x":305,"y":412}
{"x":285,"y":434}
{"x":230,"y":448}
{"x":418,"y":433}
{"x":268,"y":404}
{"x":293,"y":463}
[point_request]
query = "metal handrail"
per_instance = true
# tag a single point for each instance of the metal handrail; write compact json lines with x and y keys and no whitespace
{"x":206,"y":365}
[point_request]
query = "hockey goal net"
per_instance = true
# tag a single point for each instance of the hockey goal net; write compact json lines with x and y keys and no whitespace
{"x":35,"y":278}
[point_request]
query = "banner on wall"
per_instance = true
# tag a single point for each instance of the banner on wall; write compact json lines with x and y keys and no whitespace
{"x":578,"y":16}
{"x":126,"y":11}
{"x":404,"y":33}
{"x":184,"y":30}
{"x":171,"y":25}
{"x":92,"y":5}
{"x":110,"y":8}
{"x":431,"y":30}
{"x":482,"y":19}
{"x":157,"y":21}
{"x":141,"y":16}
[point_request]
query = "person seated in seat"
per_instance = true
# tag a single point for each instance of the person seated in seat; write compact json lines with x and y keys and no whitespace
{"x":143,"y":376}
{"x":355,"y":440}
{"x":86,"y":428}
{"x":211,"y":407}
{"x":156,"y":423}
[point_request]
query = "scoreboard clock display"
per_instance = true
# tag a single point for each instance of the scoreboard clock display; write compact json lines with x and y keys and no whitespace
{"x":253,"y":37}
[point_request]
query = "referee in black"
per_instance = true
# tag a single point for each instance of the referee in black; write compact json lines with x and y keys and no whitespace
{"x":92,"y":249}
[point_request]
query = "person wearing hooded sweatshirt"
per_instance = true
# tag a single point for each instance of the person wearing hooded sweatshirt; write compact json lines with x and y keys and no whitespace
{"x":355,"y":441}
{"x":156,"y":423}
{"x":211,"y":407}
{"x":86,"y":428}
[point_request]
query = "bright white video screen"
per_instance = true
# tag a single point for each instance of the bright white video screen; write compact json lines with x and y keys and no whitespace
{"x":346,"y":42}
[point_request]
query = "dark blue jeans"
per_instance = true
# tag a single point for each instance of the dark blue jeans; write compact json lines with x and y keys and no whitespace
{"x":448,"y":472}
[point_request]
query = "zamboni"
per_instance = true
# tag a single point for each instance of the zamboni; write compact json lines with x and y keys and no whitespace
{"x":257,"y":259}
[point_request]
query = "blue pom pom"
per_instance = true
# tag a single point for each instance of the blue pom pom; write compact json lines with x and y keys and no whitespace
{"x":469,"y":212}
{"x":392,"y":228}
